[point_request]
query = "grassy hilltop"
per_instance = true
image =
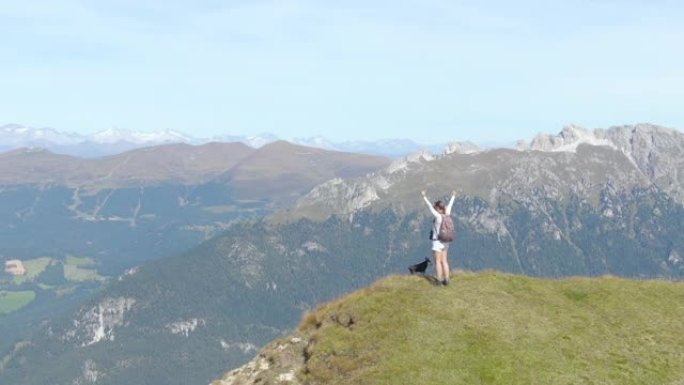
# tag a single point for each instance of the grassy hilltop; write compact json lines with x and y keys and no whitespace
{"x":485,"y":328}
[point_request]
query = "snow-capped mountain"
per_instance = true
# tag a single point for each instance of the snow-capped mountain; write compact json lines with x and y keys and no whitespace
{"x":106,"y":142}
{"x":315,"y":141}
{"x":392,"y":148}
{"x":15,"y":135}
{"x":114,"y":135}
{"x":255,"y":141}
{"x":114,"y":140}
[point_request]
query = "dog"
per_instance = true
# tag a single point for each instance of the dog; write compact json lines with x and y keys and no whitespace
{"x":420,"y":267}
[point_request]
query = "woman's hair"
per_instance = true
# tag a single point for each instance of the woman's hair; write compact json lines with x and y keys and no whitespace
{"x":439,"y":205}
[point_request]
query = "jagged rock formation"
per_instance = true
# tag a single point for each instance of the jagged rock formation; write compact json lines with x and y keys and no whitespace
{"x":462,"y":148}
{"x":100,"y":322}
{"x":348,"y":196}
{"x":280,"y":363}
{"x":657,"y":152}
{"x":185,"y":327}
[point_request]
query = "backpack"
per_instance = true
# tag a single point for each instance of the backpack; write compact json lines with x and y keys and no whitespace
{"x":447,"y":233}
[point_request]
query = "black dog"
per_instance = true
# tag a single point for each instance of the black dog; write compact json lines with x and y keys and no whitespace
{"x":419,"y":267}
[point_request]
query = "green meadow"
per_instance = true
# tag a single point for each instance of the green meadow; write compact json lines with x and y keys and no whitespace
{"x":34,"y":268}
{"x":75,"y":269}
{"x":11,"y":301}
{"x":79,"y":261}
{"x":495,"y":328}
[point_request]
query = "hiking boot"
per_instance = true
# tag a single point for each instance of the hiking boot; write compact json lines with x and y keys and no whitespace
{"x":445,"y":282}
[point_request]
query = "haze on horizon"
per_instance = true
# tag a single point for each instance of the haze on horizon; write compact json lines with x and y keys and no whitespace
{"x":430,"y":71}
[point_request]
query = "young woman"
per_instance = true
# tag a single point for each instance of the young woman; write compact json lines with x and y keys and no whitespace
{"x":439,"y":248}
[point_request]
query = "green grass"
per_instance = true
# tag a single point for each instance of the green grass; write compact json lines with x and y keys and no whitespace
{"x":34,"y":268}
{"x":220,"y":209}
{"x":74,"y":273}
{"x":79,"y":261}
{"x":75,"y":269}
{"x":11,"y":301}
{"x":493,"y":328}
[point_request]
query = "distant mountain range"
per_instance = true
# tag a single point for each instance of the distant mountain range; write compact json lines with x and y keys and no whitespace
{"x":115,"y":141}
{"x":579,"y":203}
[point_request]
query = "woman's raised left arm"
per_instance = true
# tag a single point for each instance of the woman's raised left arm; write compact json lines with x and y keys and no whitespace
{"x":451,"y":202}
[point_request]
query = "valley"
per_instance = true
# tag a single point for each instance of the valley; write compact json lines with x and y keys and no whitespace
{"x":78,"y":224}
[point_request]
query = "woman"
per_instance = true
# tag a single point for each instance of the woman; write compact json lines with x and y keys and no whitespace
{"x":439,"y":248}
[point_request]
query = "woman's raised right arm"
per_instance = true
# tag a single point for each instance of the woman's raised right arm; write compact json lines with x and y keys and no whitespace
{"x":432,"y":209}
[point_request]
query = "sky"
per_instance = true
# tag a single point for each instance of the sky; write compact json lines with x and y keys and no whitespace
{"x":426,"y":70}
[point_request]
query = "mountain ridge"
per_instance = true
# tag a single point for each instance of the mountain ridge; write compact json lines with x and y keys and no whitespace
{"x":175,"y":162}
{"x":655,"y":153}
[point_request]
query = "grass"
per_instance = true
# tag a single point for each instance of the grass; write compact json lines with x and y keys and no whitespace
{"x":74,"y":273}
{"x":11,"y":301}
{"x":79,"y":261}
{"x":34,"y":268}
{"x":220,"y":209}
{"x":75,"y":269}
{"x":494,"y":328}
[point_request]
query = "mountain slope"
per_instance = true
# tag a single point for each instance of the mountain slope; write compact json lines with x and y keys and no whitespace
{"x":29,"y":166}
{"x":286,"y":171}
{"x":487,"y":328}
{"x":282,"y":164}
{"x":139,"y":202}
{"x":80,"y":223}
{"x":179,"y":163}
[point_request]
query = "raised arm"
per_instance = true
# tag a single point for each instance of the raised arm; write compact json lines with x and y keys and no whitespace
{"x":451,"y":202}
{"x":432,"y":209}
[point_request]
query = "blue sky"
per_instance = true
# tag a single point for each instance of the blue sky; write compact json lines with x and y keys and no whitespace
{"x":427,"y":70}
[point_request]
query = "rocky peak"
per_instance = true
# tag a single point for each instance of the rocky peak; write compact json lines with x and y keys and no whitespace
{"x":416,"y":157}
{"x":462,"y":148}
{"x":568,"y":140}
{"x":348,"y":196}
{"x":656,"y":151}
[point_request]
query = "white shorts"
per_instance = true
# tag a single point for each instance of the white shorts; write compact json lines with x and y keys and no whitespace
{"x":439,"y":246}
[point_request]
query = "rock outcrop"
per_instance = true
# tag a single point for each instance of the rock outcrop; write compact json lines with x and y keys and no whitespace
{"x":99,"y":322}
